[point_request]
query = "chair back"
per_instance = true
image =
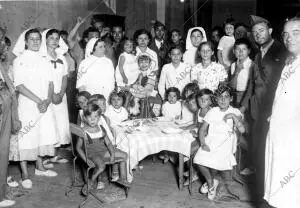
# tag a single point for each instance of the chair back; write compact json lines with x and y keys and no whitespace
{"x":80,"y":134}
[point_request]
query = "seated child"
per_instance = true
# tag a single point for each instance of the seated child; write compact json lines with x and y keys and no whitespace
{"x":144,"y":87}
{"x":113,"y":134}
{"x":192,"y":108}
{"x":98,"y":146}
{"x":172,"y":106}
{"x":100,"y":100}
{"x":219,"y":144}
{"x":82,"y":99}
{"x":186,"y":114}
{"x":203,"y":100}
{"x":115,"y":111}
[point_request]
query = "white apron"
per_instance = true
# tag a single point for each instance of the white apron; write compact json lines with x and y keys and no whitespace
{"x":282,"y":181}
{"x":38,"y":129}
{"x":61,"y":110}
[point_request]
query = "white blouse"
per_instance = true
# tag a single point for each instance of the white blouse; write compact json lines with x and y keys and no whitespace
{"x":97,"y":75}
{"x":209,"y":77}
{"x":174,"y":77}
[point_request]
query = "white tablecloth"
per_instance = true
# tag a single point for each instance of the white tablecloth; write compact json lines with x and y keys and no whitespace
{"x":140,"y":144}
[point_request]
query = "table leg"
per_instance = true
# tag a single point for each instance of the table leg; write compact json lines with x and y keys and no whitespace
{"x":180,"y":172}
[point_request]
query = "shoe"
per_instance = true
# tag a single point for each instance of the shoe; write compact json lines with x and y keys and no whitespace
{"x":247,"y":171}
{"x":27,"y":184}
{"x":186,"y":174}
{"x":212,"y":192}
{"x":100,"y":185}
{"x":123,"y":182}
{"x":166,"y":159}
{"x":204,"y":188}
{"x":162,"y":157}
{"x":115,"y":177}
{"x":7,"y":203}
{"x":11,"y":182}
{"x":194,"y":178}
{"x":58,"y":159}
{"x":47,"y":173}
{"x":47,"y":164}
{"x":84,"y":190}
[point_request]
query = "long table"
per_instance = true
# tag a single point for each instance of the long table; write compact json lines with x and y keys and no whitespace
{"x":149,"y":138}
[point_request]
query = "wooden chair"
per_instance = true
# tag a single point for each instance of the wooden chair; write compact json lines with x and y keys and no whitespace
{"x":81,"y":134}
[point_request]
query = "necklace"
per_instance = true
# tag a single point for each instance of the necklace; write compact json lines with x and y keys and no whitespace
{"x":117,"y":110}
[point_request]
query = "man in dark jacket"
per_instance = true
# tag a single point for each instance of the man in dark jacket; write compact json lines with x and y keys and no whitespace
{"x":160,"y":45}
{"x":259,"y":97}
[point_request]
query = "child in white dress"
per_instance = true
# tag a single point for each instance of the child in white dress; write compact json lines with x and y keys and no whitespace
{"x":203,"y":102}
{"x":219,"y":144}
{"x":225,"y":47}
{"x":172,"y":107}
{"x":115,"y":111}
{"x":127,"y":70}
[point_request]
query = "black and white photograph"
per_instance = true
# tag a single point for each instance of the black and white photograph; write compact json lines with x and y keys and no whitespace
{"x":150,"y":103}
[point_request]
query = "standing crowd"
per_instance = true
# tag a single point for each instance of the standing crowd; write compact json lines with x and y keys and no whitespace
{"x":238,"y":82}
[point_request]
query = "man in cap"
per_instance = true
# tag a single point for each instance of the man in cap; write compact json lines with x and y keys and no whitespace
{"x":260,"y":93}
{"x":159,"y":44}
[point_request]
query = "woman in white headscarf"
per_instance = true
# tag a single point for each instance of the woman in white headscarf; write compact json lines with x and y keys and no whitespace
{"x":96,"y":73}
{"x":194,"y":38}
{"x":53,"y":49}
{"x":34,"y":81}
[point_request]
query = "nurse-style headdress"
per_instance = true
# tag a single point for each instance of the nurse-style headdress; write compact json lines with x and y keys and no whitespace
{"x":19,"y":47}
{"x":188,"y":42}
{"x":61,"y":50}
{"x":89,"y":47}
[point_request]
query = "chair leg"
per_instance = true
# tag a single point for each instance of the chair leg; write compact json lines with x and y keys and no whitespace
{"x":70,"y":189}
{"x":191,"y":175}
{"x":110,"y":167}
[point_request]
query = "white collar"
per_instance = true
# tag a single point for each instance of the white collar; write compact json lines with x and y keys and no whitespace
{"x":247,"y":63}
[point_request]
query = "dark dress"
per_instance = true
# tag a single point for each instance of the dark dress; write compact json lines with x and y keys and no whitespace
{"x":8,"y":113}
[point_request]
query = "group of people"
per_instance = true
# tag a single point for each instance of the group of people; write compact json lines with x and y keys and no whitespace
{"x":240,"y":80}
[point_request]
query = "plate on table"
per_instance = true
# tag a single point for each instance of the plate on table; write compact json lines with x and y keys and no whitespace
{"x":142,"y":128}
{"x":172,"y":131}
{"x":163,"y":119}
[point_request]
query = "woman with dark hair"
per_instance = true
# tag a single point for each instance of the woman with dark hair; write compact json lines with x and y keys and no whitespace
{"x":143,"y":39}
{"x":53,"y":49}
{"x":33,"y":78}
{"x":96,"y":73}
